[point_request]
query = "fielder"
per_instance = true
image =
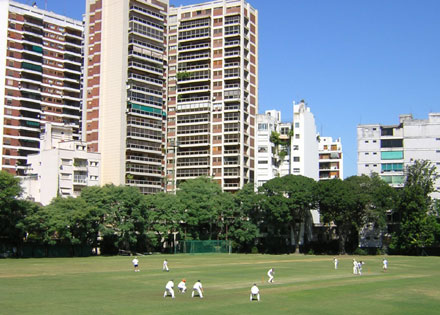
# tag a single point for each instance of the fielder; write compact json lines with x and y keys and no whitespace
{"x":165,"y":266}
{"x":182,"y":286}
{"x":360,"y":267}
{"x":135,"y":262}
{"x":385,"y":265}
{"x":197,"y":288}
{"x":255,"y":293}
{"x":270,"y":274}
{"x":336,"y":262}
{"x":355,"y":267}
{"x":169,"y":289}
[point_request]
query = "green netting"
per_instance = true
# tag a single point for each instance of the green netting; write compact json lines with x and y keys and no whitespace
{"x":200,"y":247}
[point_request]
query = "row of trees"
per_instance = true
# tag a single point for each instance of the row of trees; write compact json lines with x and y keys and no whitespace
{"x":271,"y":220}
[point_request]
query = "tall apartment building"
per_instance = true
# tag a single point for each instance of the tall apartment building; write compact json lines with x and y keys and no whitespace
{"x":330,"y":158}
{"x":124,"y":100}
{"x":212,"y":93}
{"x":62,"y":168}
{"x":388,"y":150}
{"x":40,"y":70}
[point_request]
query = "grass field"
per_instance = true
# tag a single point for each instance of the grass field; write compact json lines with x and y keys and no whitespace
{"x":303,"y":285}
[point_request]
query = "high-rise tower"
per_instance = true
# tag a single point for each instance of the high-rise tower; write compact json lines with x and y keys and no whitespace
{"x":124,"y":105}
{"x":212,"y":93}
{"x":40,"y":71}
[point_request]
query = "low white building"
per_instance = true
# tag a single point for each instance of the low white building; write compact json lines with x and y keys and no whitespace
{"x":388,"y":150}
{"x":330,"y":158}
{"x":63,"y":167}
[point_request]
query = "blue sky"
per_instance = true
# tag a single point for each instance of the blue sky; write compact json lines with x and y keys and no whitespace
{"x":351,"y":61}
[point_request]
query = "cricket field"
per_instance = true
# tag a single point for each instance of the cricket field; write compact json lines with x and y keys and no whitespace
{"x":304,"y":284}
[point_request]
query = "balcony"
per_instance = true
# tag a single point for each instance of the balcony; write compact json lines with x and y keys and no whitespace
{"x":204,"y":55}
{"x":144,"y":78}
{"x":142,"y":147}
{"x":195,"y":46}
{"x":193,"y":67}
{"x":144,"y":67}
{"x":143,"y":159}
{"x":193,"y":99}
{"x":80,"y":180}
{"x":191,"y":89}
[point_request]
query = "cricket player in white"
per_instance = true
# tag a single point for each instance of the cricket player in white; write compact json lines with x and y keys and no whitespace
{"x":385,"y":265}
{"x":270,"y":274}
{"x":255,"y":292}
{"x":198,"y":288}
{"x":336,"y":261}
{"x":355,"y":267}
{"x":360,"y":267}
{"x":165,"y":265}
{"x":169,"y":289}
{"x":182,"y":286}
{"x":135,"y":262}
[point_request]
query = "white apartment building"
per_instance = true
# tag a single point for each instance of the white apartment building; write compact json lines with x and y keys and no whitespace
{"x":330,"y":158}
{"x":40,"y":71}
{"x":63,"y":167}
{"x":388,"y":150}
{"x":297,"y":152}
{"x":267,"y":163}
{"x":304,"y":144}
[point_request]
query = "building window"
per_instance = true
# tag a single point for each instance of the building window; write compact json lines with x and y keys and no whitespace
{"x":387,"y":131}
{"x":296,"y":170}
{"x":391,"y":143}
{"x":262,"y":126}
{"x":297,"y":125}
{"x":296,"y":159}
{"x":262,"y":162}
{"x":391,"y":155}
{"x":262,"y":149}
{"x":296,"y":147}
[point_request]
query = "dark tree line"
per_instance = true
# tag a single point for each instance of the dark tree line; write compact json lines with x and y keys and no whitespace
{"x":274,"y":219}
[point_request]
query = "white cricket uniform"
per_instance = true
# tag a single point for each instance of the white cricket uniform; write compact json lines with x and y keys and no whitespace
{"x":169,"y":289}
{"x":182,"y":287}
{"x":197,"y":288}
{"x":385,"y":264}
{"x":255,"y":292}
{"x":270,"y":275}
{"x":135,"y":264}
{"x":355,"y":267}
{"x":336,"y":263}
{"x":165,"y":266}
{"x":360,"y":268}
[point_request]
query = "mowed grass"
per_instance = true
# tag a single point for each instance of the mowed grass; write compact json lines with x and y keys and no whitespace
{"x":303,"y":285}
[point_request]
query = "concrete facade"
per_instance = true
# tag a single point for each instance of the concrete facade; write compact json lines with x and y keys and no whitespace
{"x":212,"y":93}
{"x":330,"y":158}
{"x":63,"y":167}
{"x":388,"y":150}
{"x":40,"y":75}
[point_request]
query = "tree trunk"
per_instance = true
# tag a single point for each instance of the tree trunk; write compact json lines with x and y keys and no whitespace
{"x":342,"y":238}
{"x":296,"y":232}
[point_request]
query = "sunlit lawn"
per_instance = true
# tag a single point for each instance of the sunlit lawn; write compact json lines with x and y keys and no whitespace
{"x":303,"y":285}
